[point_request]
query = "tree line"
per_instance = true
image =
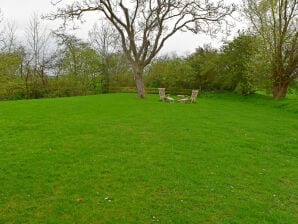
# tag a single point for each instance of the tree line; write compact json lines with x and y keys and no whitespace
{"x":52,"y":64}
{"x":238,"y":66}
{"x":123,"y":50}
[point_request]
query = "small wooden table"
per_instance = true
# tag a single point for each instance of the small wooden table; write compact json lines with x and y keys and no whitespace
{"x":182,"y":96}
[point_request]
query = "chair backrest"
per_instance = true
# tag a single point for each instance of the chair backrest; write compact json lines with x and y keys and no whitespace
{"x":194,"y":95}
{"x":162,"y":93}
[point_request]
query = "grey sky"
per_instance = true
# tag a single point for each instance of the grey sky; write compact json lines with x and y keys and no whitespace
{"x":20,"y":11}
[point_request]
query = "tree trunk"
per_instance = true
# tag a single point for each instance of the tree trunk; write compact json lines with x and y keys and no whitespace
{"x":105,"y":81}
{"x":140,"y":85}
{"x":280,"y":89}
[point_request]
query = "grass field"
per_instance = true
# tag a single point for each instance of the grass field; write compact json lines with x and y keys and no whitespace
{"x":117,"y":159}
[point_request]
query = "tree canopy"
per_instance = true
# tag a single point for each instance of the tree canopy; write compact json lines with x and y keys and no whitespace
{"x":276,"y":23}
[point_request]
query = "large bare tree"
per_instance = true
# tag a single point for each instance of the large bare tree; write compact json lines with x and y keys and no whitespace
{"x":105,"y":39}
{"x":9,"y":41}
{"x":38,"y":49}
{"x":145,"y":25}
{"x":1,"y":30}
{"x":276,"y":23}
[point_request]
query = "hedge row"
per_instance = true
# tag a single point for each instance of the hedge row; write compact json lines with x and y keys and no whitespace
{"x":173,"y":91}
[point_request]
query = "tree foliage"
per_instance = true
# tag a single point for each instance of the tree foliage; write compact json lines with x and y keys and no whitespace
{"x":170,"y":72}
{"x":238,"y":56}
{"x":276,"y":23}
{"x":207,"y":65}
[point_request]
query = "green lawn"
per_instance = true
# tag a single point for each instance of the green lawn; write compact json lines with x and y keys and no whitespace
{"x":117,"y":159}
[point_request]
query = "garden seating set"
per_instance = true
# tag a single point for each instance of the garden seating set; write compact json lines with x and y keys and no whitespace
{"x":181,"y":98}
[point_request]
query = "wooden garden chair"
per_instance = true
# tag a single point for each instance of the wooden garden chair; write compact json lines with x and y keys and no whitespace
{"x":191,"y":99}
{"x":163,"y":97}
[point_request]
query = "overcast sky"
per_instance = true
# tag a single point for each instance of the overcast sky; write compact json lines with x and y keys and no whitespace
{"x":20,"y":11}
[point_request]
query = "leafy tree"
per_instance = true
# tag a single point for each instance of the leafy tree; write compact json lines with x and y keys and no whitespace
{"x":170,"y":73}
{"x":10,"y":63}
{"x":10,"y":82}
{"x":237,"y":56}
{"x":80,"y":63}
{"x":258,"y":67}
{"x":276,"y":22}
{"x":207,"y":67}
{"x":145,"y":26}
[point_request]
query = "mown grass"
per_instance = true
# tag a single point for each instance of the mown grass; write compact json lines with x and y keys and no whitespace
{"x":117,"y":159}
